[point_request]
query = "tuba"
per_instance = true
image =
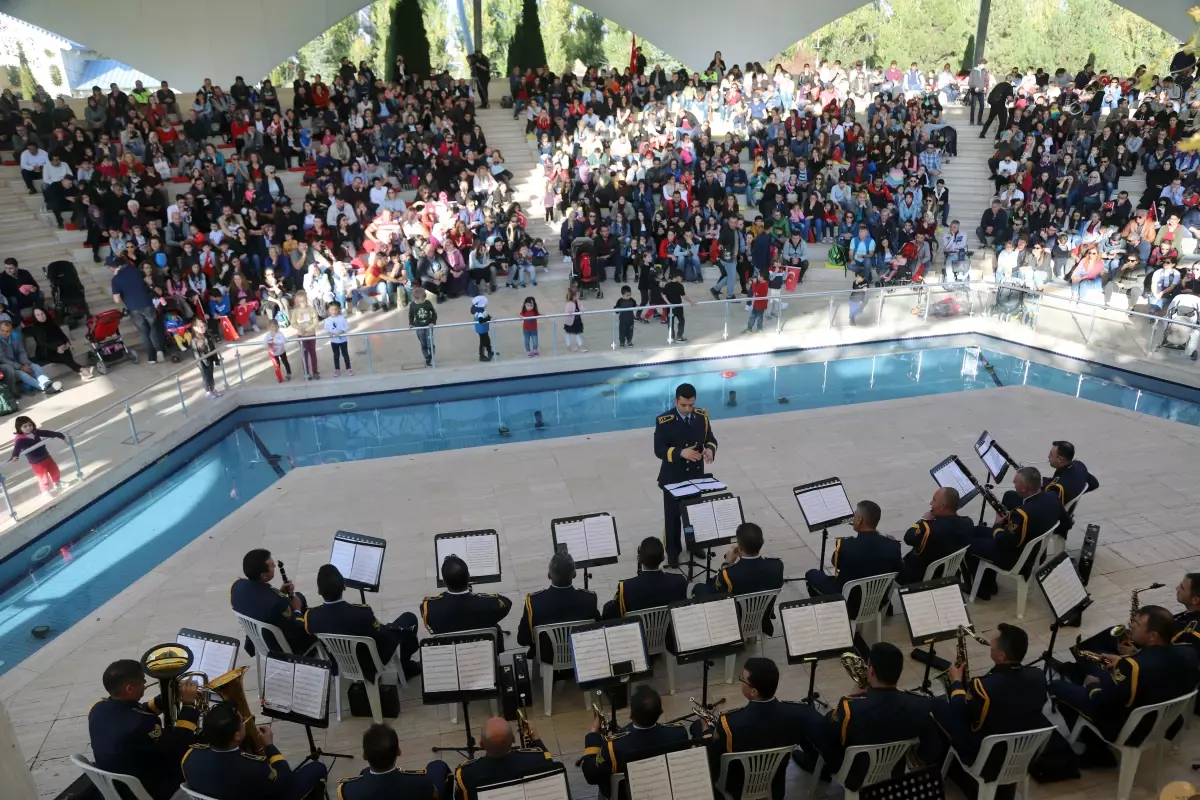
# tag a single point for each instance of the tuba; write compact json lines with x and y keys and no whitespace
{"x":856,"y":667}
{"x":168,"y":664}
{"x":1122,"y":633}
{"x":960,"y":657}
{"x":229,"y":687}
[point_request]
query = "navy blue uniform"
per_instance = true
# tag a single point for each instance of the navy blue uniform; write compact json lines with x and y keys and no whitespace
{"x":236,"y":774}
{"x":932,"y":539}
{"x":1151,"y":675}
{"x":758,"y":725}
{"x":605,"y":757}
{"x":265,"y":603}
{"x":854,"y":557}
{"x":450,"y":612}
{"x":650,"y":588}
{"x":1002,"y":544}
{"x":672,"y":433}
{"x":1074,"y":479}
{"x":550,"y":606}
{"x":431,"y":783}
{"x":877,"y":716}
{"x":353,"y":619}
{"x":747,"y":575}
{"x":1009,"y":698}
{"x":486,"y":770}
{"x":128,"y":737}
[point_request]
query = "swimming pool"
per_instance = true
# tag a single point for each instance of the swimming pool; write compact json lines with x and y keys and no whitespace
{"x":83,"y":562}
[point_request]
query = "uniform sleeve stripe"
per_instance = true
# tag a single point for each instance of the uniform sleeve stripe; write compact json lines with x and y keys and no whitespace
{"x":846,"y":721}
{"x":591,"y":751}
{"x":987,"y":702}
{"x":728,"y":734}
{"x":1133,"y":679}
{"x":621,"y":597}
{"x":670,"y":453}
{"x":187,"y":726}
{"x":275,"y":759}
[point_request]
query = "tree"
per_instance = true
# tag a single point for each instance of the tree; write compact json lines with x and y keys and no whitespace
{"x":585,"y":43}
{"x":381,"y":26}
{"x":27,"y":81}
{"x":408,"y":39}
{"x":56,"y":77}
{"x":527,"y":50}
{"x":437,"y":28}
{"x":968,"y":60}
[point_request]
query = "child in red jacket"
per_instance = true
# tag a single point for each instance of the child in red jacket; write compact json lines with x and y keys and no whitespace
{"x":758,"y":304}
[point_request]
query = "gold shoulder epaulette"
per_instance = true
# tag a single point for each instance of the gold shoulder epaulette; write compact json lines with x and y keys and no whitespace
{"x":702,"y":412}
{"x":665,"y":418}
{"x":252,"y":756}
{"x":351,"y":778}
{"x":413,"y":771}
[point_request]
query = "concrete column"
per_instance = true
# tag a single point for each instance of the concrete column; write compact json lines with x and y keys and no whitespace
{"x":479,"y":26}
{"x":13,"y":772}
{"x":985,"y":10}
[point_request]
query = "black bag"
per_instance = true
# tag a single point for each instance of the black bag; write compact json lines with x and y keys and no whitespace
{"x":8,"y":403}
{"x":1057,"y":762}
{"x":506,"y":101}
{"x":389,"y":698}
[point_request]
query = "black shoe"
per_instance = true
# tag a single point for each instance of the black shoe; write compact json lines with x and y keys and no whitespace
{"x":61,"y":225}
{"x":33,"y":191}
{"x":716,"y":295}
{"x":680,"y":339}
{"x":411,"y":669}
{"x":673,"y":562}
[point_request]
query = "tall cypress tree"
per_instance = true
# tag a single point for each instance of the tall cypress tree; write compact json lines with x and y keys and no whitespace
{"x":527,"y":49}
{"x":408,"y":39}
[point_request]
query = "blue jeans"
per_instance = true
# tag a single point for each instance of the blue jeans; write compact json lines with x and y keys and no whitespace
{"x":728,"y":271}
{"x":863,"y":267}
{"x":755,"y":320}
{"x":976,"y":100}
{"x":690,"y":265}
{"x":38,"y":380}
{"x":531,"y":340}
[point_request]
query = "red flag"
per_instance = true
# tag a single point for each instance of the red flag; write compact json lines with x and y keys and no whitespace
{"x":633,"y":64}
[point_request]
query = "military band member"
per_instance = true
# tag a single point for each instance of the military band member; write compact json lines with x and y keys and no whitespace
{"x":128,"y":736}
{"x":500,"y":760}
{"x":337,"y":616}
{"x":254,"y":596}
{"x":1073,"y":479}
{"x":604,"y":757}
{"x":763,"y":723}
{"x":683,"y":442}
{"x":745,"y":570}
{"x":1003,"y":541}
{"x":561,"y":602}
{"x":1007,"y":699}
{"x":863,"y":555}
{"x":941,"y":532}
{"x":651,"y":587}
{"x":1186,"y":622}
{"x":458,"y":608}
{"x":881,"y":713}
{"x":381,"y":780}
{"x":1158,"y":671}
{"x":223,"y":771}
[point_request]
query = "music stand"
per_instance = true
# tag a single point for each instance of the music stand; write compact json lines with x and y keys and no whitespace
{"x":359,"y":559}
{"x":1087,"y":558}
{"x":707,"y":649}
{"x":925,"y":784}
{"x":934,"y":611}
{"x":1066,"y":596}
{"x":814,"y":630}
{"x":319,"y":714}
{"x":590,"y":539}
{"x":622,"y":645}
{"x":705,"y":485}
{"x":996,"y":459}
{"x":211,"y":650}
{"x":480,"y":549}
{"x":951,"y":473}
{"x":824,"y":504}
{"x":464,"y":685}
{"x":549,"y":785}
{"x":716,"y":518}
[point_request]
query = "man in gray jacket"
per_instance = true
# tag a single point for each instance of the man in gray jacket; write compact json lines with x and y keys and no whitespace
{"x":15,"y":363}
{"x":977,"y":85}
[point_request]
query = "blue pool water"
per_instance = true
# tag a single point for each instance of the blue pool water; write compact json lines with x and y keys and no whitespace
{"x":88,"y":559}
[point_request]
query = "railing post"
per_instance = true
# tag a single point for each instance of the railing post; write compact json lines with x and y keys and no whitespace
{"x":237,"y":354}
{"x":370,"y":363}
{"x":74,"y":456}
{"x":432,"y":348}
{"x":831,"y":312}
{"x":882,"y":296}
{"x":1150,"y":346}
{"x":671,"y":325}
{"x":7,"y":500}
{"x":778,"y":314}
{"x":725,"y":308}
{"x":614,"y":331}
{"x":1088,"y":339}
{"x":224,"y":375}
{"x":304,"y":362}
{"x":928,"y":292}
{"x":182,"y":402}
{"x":554,"y":336}
{"x":132,"y":425}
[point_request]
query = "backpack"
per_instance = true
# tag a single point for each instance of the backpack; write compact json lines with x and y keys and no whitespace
{"x":837,"y":256}
{"x":8,"y":402}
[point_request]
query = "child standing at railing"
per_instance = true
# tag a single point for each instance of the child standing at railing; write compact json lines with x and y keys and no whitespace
{"x":304,"y":320}
{"x":205,"y":350}
{"x":277,"y":349}
{"x":31,"y":442}
{"x":337,"y":326}
{"x":529,"y":326}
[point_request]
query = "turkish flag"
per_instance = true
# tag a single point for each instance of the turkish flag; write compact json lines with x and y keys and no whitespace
{"x":633,"y":65}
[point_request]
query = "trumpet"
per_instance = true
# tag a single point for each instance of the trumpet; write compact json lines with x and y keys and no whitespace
{"x":705,"y":713}
{"x":856,"y":667}
{"x":605,"y":727}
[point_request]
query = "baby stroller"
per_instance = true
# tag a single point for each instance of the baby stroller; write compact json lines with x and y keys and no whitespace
{"x":70,"y":302}
{"x":104,"y":335}
{"x":1185,"y":308}
{"x":585,"y":272}
{"x":899,"y":271}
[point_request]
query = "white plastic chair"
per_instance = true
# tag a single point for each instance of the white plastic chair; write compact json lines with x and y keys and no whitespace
{"x":195,"y":795}
{"x":655,"y":624}
{"x":941,"y":568}
{"x":614,"y":786}
{"x":873,"y":590}
{"x":758,"y":768}
{"x":1165,"y":713}
{"x":1014,"y":573}
{"x":1023,"y":747}
{"x":495,"y":636}
{"x":1058,"y":544}
{"x":254,"y":631}
{"x":881,"y":760}
{"x":342,"y":649}
{"x":560,"y":640}
{"x":752,"y":610}
{"x":107,"y":782}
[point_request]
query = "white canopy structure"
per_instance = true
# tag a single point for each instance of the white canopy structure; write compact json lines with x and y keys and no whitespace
{"x":184,"y":42}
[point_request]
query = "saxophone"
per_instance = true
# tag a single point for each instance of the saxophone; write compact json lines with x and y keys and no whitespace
{"x":1123,"y":632}
{"x":523,"y":727}
{"x":856,"y":667}
{"x":960,"y":657}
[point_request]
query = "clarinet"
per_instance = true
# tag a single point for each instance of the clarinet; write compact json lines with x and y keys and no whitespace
{"x":282,"y":573}
{"x":987,"y":495}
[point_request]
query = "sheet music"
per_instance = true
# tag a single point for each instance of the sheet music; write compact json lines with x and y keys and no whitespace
{"x":551,"y":787}
{"x":1063,"y":588}
{"x":703,"y":519}
{"x":439,"y":668}
{"x":950,"y":475}
{"x":722,"y":620}
{"x":590,"y":651}
{"x":625,"y":644}
{"x":649,"y":779}
{"x":573,"y":536}
{"x":936,"y":611}
{"x":601,"y":537}
{"x":342,"y":556}
{"x":367,"y":561}
{"x":690,"y":778}
{"x":709,"y":485}
{"x":951,"y":610}
{"x":277,"y":691}
{"x":983,"y":443}
{"x":217,"y":660}
{"x":728,"y":515}
{"x":476,"y":665}
{"x":993,"y":460}
{"x":692,"y":487}
{"x":800,"y":630}
{"x":309,"y":688}
{"x":833,"y":625}
{"x":691,"y":628}
{"x":482,"y":553}
{"x":514,"y":792}
{"x":197,"y":648}
{"x":825,"y":504}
